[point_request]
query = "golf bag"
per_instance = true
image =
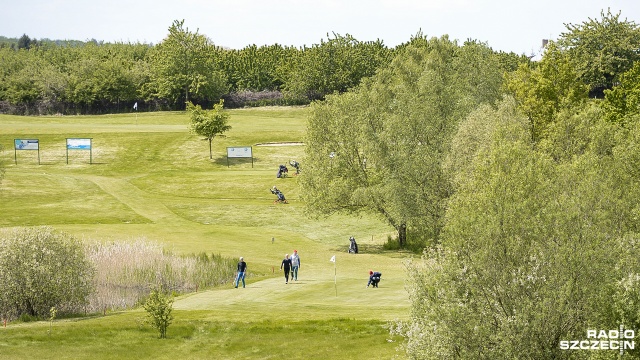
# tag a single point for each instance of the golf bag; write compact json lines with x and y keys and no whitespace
{"x":282,"y":171}
{"x":296,"y":165}
{"x":353,"y":247}
{"x":281,"y":199}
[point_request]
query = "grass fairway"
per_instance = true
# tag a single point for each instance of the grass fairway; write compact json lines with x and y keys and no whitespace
{"x":150,"y":177}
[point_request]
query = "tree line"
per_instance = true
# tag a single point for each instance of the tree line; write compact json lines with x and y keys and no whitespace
{"x":47,"y":77}
{"x":520,"y":187}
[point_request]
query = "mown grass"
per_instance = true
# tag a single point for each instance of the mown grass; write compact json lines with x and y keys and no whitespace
{"x":151,"y":178}
{"x":195,"y":336}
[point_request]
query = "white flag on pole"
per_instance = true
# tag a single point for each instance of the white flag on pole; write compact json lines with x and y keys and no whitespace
{"x":135,"y":106}
{"x":333,"y":259}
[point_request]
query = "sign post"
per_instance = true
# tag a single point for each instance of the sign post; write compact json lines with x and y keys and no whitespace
{"x":25,"y":144}
{"x":240,"y":152}
{"x":79,"y":144}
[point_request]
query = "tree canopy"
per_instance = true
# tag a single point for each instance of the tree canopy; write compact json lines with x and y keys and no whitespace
{"x":184,"y":67}
{"x":71,"y":77}
{"x":540,"y":232}
{"x":208,"y":123}
{"x":602,"y":49}
{"x":380,"y":146}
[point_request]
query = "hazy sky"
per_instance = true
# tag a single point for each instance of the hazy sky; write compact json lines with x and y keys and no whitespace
{"x":508,"y":25}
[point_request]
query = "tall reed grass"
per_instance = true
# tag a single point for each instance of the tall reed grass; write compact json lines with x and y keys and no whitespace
{"x":127,"y":270}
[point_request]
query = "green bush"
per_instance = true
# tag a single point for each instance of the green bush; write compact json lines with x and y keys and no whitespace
{"x":159,"y":307}
{"x":414,"y":243}
{"x":41,"y":269}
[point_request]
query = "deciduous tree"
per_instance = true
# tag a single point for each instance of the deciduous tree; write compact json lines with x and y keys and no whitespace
{"x":602,"y":49}
{"x":335,"y":65}
{"x":41,"y":268}
{"x":535,"y":249}
{"x":159,"y":307}
{"x":209,"y":123}
{"x":184,"y":67}
{"x":380,"y":147}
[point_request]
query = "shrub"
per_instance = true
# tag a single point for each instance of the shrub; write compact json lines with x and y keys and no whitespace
{"x":159,"y":307}
{"x":41,"y":269}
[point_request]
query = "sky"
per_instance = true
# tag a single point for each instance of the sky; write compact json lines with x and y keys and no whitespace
{"x":506,"y":25}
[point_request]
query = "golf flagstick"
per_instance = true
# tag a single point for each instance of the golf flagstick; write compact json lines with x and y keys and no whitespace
{"x":335,"y":273}
{"x":135,"y":107}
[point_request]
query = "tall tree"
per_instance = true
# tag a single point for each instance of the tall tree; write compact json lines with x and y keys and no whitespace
{"x":522,"y":264}
{"x":24,"y":42}
{"x":184,"y":67}
{"x":209,"y":123}
{"x":543,"y":91}
{"x":380,"y":147}
{"x":335,"y":65}
{"x":602,"y":49}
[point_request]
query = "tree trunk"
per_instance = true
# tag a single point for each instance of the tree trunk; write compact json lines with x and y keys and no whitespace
{"x":210,"y":153}
{"x":402,"y":235}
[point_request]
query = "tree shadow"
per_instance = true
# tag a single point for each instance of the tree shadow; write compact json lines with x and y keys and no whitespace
{"x":223,"y":161}
{"x":364,"y":249}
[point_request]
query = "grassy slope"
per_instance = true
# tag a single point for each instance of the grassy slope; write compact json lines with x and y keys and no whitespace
{"x":151,"y":178}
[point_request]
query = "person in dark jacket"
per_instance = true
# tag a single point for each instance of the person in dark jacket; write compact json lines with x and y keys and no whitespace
{"x":286,"y":264}
{"x":242,"y":269}
{"x":374,"y":278}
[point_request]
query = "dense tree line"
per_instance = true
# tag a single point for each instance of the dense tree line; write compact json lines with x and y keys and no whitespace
{"x":44,"y":77}
{"x":521,"y":185}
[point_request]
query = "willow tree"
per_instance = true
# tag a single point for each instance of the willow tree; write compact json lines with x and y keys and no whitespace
{"x":537,"y":247}
{"x":380,"y":147}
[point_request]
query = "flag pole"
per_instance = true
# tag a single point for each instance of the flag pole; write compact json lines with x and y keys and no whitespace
{"x":335,"y":277}
{"x":335,"y":273}
{"x":135,"y":107}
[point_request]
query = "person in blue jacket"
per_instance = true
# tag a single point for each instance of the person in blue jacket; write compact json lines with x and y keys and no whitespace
{"x":374,"y":278}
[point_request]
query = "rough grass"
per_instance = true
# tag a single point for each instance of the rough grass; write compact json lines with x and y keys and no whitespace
{"x":152,"y":178}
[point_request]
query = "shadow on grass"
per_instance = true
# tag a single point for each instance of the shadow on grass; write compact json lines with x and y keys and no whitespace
{"x":363,"y":249}
{"x":223,"y":161}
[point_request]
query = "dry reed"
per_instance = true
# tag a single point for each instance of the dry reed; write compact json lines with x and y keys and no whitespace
{"x":127,"y":270}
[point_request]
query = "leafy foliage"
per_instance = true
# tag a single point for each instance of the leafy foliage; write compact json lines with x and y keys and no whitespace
{"x":602,"y":49}
{"x":159,"y":307}
{"x":532,"y":249}
{"x":335,"y":65}
{"x":41,"y":269}
{"x":209,"y":123}
{"x":184,"y":67}
{"x":622,"y":103}
{"x":380,"y":147}
{"x":543,"y":91}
